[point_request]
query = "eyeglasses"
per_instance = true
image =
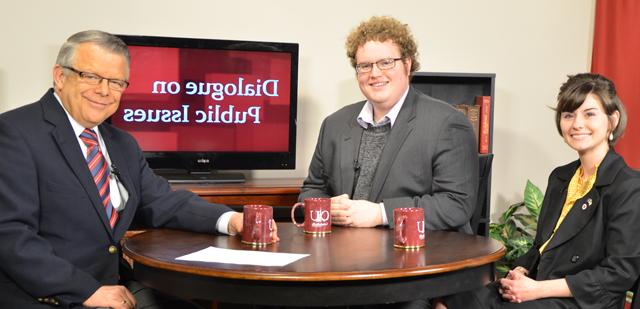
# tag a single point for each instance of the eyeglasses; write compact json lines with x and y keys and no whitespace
{"x":383,"y":64}
{"x":95,"y":79}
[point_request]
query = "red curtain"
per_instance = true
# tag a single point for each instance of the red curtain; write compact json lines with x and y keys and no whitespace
{"x":616,"y":55}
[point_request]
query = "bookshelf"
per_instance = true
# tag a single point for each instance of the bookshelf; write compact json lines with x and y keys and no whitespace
{"x":463,"y":88}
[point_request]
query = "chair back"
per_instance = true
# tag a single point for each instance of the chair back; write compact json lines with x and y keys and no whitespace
{"x":480,"y":218}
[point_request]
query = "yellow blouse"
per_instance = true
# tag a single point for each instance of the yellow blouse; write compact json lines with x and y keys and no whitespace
{"x":577,"y":189}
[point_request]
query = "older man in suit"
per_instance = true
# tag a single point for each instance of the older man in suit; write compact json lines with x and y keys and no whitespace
{"x":71,"y":185}
{"x":399,"y":148}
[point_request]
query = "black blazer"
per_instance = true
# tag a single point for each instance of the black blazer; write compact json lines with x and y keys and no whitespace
{"x":596,"y":247}
{"x":53,"y":228}
{"x":430,"y":160}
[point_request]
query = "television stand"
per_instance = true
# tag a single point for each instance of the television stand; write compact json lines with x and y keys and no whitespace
{"x":186,"y":177}
{"x":281,"y":193}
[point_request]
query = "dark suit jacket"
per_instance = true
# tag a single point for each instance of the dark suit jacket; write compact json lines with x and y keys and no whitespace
{"x":430,"y":160}
{"x":596,"y":247}
{"x":53,"y":227}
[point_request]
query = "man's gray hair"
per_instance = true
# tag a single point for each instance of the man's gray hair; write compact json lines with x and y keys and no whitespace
{"x":103,"y":39}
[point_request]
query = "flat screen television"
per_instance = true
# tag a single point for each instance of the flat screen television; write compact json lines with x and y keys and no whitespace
{"x":197,"y":106}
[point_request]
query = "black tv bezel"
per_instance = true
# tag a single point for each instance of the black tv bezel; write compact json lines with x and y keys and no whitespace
{"x":212,"y":161}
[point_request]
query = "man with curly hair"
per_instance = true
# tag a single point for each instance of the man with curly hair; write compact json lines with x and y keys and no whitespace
{"x":397,"y":148}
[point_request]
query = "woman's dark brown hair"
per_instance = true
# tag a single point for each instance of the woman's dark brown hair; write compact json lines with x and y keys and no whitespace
{"x":575,"y":90}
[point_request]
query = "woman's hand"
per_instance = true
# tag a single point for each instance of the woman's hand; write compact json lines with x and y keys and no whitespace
{"x":516,"y":287}
{"x":521,"y":270}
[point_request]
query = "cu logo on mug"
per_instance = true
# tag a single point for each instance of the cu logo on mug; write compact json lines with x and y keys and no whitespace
{"x":420,"y":225}
{"x":320,"y":215}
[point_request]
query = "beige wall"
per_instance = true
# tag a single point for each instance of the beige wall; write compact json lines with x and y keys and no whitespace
{"x":530,"y":45}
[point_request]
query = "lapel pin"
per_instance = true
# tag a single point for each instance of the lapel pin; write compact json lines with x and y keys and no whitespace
{"x":589,"y":201}
{"x":584,"y":206}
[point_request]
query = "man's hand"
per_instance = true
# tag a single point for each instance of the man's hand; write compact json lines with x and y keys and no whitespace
{"x":358,"y":213}
{"x":236,"y":222}
{"x":111,"y":296}
{"x":274,"y":233}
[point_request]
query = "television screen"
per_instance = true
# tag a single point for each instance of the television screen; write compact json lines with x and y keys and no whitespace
{"x":202,"y":105}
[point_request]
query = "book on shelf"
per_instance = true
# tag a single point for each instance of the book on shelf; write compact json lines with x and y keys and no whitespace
{"x":628,"y":301}
{"x":461,"y":108}
{"x":484,"y":103}
{"x":473,"y":115}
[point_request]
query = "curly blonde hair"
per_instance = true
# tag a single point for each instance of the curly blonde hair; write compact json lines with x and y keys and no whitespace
{"x":381,"y":29}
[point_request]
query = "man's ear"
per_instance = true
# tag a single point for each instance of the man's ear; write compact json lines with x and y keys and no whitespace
{"x":58,"y":76}
{"x":408,"y":64}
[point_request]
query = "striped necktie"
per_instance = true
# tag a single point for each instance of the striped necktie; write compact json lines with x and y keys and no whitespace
{"x":100,"y":172}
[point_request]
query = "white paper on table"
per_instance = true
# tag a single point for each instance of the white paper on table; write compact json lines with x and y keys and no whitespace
{"x":243,"y":257}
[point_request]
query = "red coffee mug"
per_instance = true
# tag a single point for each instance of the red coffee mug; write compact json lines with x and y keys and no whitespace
{"x":317,"y":215}
{"x":257,"y":225}
{"x":409,"y":230}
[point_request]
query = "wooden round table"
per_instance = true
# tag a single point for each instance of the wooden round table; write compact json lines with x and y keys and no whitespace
{"x":350,"y":266}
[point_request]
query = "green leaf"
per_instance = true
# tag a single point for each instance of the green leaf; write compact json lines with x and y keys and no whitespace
{"x":511,"y":255}
{"x":495,"y":232}
{"x":528,"y":222}
{"x":502,"y":268}
{"x":526,"y":232}
{"x":520,"y":246}
{"x":522,"y":242}
{"x":508,"y":229}
{"x":533,"y":198}
{"x":510,"y":211}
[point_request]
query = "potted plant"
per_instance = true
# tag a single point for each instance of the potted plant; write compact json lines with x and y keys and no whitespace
{"x":516,"y":227}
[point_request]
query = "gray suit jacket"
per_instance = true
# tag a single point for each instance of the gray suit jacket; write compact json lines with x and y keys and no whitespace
{"x":430,"y":160}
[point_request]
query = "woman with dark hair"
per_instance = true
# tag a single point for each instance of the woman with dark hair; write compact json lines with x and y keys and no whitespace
{"x":586,"y":253}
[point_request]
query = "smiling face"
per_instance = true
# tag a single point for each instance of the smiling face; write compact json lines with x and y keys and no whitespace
{"x":587,"y":128}
{"x":383,"y":88}
{"x":90,"y":105}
